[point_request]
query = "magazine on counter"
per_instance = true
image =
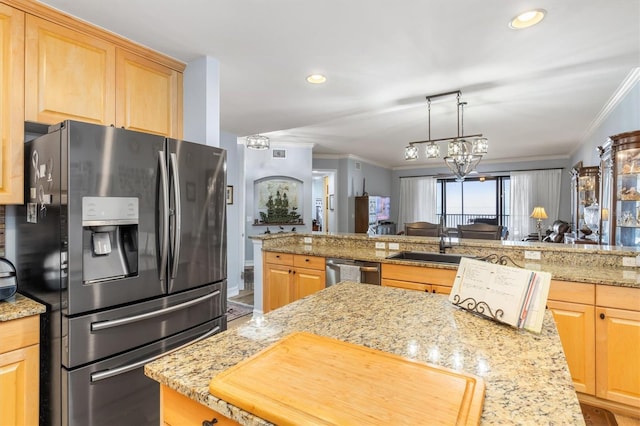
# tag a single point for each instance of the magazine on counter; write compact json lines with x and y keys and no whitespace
{"x":513,"y":296}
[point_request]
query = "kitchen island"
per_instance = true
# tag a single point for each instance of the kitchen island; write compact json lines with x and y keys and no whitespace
{"x":526,"y":375}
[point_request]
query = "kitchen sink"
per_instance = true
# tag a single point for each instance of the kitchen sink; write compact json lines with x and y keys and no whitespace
{"x":420,"y":256}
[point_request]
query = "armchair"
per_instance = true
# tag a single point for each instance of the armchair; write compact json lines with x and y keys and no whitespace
{"x":424,"y":229}
{"x":558,"y":229}
{"x":480,"y":231}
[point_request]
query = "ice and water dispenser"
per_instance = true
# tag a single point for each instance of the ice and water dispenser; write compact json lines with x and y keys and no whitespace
{"x":109,"y":238}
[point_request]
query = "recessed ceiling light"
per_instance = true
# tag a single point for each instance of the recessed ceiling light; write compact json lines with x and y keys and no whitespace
{"x":316,"y":78}
{"x":527,"y":19}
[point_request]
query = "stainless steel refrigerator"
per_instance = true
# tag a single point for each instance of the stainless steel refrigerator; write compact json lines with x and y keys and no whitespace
{"x":123,"y":238}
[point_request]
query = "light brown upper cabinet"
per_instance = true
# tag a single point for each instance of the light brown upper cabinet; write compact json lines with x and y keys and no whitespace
{"x":69,"y":75}
{"x":149,"y":96}
{"x":11,"y":105}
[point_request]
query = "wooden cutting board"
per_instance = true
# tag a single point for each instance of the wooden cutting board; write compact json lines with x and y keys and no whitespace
{"x":313,"y":380}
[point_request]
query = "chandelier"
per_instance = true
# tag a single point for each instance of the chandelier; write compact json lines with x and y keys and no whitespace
{"x":257,"y":142}
{"x":463,"y":154}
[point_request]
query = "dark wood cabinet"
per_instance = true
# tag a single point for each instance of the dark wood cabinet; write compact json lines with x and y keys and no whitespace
{"x":620,"y":190}
{"x":585,"y":192}
{"x":362,"y":214}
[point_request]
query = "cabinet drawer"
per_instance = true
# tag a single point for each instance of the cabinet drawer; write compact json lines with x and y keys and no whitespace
{"x":279,"y":258}
{"x":406,"y":285}
{"x":618,"y":297}
{"x":178,"y":410}
{"x":419,"y":274}
{"x":19,"y":333}
{"x":568,"y":291}
{"x":309,"y":262}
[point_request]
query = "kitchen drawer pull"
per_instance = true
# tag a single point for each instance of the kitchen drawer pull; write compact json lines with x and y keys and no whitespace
{"x":368,"y":269}
{"x":102,"y":325}
{"x":105,"y":374}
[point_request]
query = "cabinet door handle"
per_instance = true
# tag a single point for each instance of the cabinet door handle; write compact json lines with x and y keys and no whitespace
{"x":210,"y":422}
{"x":306,"y":260}
{"x":601,"y":316}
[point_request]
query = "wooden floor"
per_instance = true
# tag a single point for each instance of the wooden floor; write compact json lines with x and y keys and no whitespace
{"x":245,"y":297}
{"x":627,"y":421}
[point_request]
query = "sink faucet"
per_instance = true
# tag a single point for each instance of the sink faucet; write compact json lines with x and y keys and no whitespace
{"x":443,"y":245}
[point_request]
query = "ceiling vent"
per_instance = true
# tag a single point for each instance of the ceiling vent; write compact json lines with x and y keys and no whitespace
{"x":279,"y":153}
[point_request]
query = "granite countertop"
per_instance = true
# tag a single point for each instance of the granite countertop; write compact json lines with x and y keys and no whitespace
{"x":526,"y":374}
{"x":21,"y":307}
{"x":563,"y":268}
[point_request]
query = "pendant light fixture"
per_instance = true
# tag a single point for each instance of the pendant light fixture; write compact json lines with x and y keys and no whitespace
{"x":463,"y":154}
{"x":257,"y":142}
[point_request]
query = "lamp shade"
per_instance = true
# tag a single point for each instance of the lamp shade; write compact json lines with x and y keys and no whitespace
{"x":539,"y":213}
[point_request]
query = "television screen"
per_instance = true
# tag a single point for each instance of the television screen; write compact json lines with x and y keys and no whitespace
{"x":383,"y":208}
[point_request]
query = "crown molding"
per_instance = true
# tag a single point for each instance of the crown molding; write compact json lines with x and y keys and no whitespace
{"x":625,"y":87}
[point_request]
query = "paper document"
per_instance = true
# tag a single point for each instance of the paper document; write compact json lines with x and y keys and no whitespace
{"x":514,"y":296}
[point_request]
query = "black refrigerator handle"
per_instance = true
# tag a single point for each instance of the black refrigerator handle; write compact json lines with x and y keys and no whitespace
{"x":164,"y":187}
{"x":177,"y":214}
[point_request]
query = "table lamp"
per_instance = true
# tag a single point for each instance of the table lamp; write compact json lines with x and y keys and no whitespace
{"x":539,"y":214}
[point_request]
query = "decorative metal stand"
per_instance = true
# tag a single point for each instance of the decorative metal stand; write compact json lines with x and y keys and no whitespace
{"x":478,"y":307}
{"x":499,"y":260}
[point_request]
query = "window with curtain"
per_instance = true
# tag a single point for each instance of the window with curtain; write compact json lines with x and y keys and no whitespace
{"x":474,"y":200}
{"x":530,"y":189}
{"x":417,"y":201}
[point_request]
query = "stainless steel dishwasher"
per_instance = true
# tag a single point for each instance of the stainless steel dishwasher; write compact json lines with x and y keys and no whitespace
{"x":369,"y":272}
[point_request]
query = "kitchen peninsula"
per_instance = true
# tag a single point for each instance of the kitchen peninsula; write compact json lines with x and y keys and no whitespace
{"x":526,"y":375}
{"x":594,"y":294}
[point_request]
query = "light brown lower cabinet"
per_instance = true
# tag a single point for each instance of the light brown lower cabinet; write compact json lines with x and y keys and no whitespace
{"x":178,"y":410}
{"x":19,"y":371}
{"x":289,"y":277}
{"x":599,"y":327}
{"x":618,"y":345}
{"x":432,"y":280}
{"x":572,"y":305}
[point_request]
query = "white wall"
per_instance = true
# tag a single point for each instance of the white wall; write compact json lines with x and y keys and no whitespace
{"x":201,"y":101}
{"x":259,"y":164}
{"x":235,"y":264}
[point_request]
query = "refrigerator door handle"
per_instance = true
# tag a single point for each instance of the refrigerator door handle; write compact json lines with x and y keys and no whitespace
{"x":101,"y":325}
{"x":164,"y":248}
{"x":105,"y":374}
{"x":177,"y":214}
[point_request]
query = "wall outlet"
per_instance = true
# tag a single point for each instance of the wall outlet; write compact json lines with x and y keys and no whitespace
{"x":532,"y":255}
{"x":628,"y":261}
{"x":380,"y":246}
{"x":394,"y":246}
{"x":308,"y":240}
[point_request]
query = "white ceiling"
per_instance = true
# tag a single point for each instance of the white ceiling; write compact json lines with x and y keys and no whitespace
{"x":533,"y":93}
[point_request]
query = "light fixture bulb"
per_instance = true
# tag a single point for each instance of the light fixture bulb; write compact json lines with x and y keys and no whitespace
{"x":257,"y":142}
{"x":410,"y":153}
{"x":527,"y":19}
{"x":432,"y":150}
{"x":316,"y":79}
{"x":480,"y":146}
{"x":455,"y":148}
